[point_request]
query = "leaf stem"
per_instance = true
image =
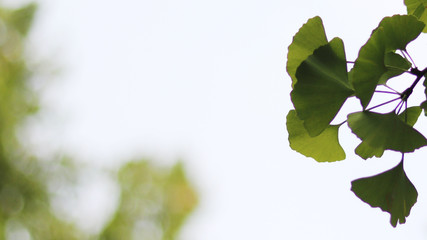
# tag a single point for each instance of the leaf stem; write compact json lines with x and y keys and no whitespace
{"x":398,"y":107}
{"x":391,"y":89}
{"x":406,"y":112}
{"x":339,"y":124}
{"x":380,"y":91}
{"x":382,"y":104}
{"x":405,"y":53}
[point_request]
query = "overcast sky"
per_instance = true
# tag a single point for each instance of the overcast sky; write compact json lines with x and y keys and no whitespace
{"x":205,"y":82}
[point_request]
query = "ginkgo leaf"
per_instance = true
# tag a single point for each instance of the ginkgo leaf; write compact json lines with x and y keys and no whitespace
{"x":424,"y":107}
{"x":309,"y":37}
{"x":370,"y":67}
{"x":323,"y":148}
{"x":322,"y":86}
{"x":365,"y":151}
{"x":409,"y":116}
{"x":386,"y":131}
{"x":418,"y":9}
{"x":399,"y":30}
{"x":395,"y":65}
{"x":391,"y":191}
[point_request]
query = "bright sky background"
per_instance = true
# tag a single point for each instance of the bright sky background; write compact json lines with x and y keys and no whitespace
{"x":205,"y":81}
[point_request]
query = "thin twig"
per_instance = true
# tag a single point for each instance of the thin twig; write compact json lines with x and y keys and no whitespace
{"x":405,"y":94}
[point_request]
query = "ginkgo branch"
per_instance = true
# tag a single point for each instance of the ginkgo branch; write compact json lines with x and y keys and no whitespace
{"x":405,"y":94}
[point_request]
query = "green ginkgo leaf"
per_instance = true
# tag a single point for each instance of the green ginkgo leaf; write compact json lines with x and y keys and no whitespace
{"x":395,"y":65}
{"x":409,"y":116}
{"x":309,"y":37}
{"x":385,"y":131}
{"x":370,"y":67}
{"x":391,"y":191}
{"x":322,"y":86}
{"x":365,"y":151}
{"x":418,"y":9}
{"x":399,"y":30}
{"x":323,"y":148}
{"x":424,"y":107}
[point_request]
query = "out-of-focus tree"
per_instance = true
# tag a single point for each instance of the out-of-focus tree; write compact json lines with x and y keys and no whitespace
{"x":154,"y":201}
{"x":24,"y":200}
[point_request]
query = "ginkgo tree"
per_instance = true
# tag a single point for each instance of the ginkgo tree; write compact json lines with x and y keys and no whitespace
{"x":323,"y":80}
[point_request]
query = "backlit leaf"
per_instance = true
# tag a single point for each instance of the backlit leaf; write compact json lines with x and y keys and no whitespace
{"x":418,"y":9}
{"x":323,"y":148}
{"x":309,"y":37}
{"x":322,"y":86}
{"x":365,"y":151}
{"x":370,"y":67}
{"x":386,"y":131}
{"x":395,"y":65}
{"x":410,"y":115}
{"x":399,"y":30}
{"x":391,"y":191}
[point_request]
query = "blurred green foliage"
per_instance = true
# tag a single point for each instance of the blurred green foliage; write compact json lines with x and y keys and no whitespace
{"x":154,"y":202}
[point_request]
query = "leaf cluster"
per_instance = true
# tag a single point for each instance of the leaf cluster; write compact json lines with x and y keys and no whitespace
{"x":323,"y":80}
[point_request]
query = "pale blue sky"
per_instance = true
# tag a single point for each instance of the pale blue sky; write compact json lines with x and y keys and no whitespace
{"x":205,"y":81}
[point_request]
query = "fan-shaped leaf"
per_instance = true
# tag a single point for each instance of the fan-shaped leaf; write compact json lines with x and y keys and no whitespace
{"x":391,"y":191}
{"x":418,"y":9}
{"x":365,"y":151}
{"x":410,"y":115}
{"x":399,"y":30}
{"x":395,"y":65}
{"x":323,"y":148}
{"x":370,"y":67}
{"x":322,"y":86}
{"x":385,"y":131}
{"x":309,"y":37}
